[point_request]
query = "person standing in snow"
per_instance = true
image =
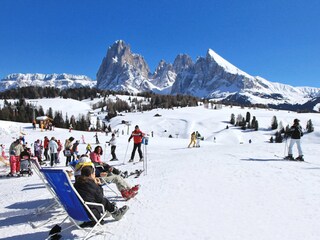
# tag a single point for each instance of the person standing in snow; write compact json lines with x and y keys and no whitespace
{"x":192,"y":140}
{"x":82,"y":138}
{"x":67,"y":150}
{"x":15,"y":150}
{"x":296,"y":133}
{"x":137,"y":136}
{"x":59,"y":150}
{"x":97,"y":139}
{"x":113,"y":143}
{"x":88,"y":148}
{"x":198,"y":137}
{"x":53,"y":147}
{"x":46,"y":148}
{"x":37,"y":147}
{"x":75,"y":150}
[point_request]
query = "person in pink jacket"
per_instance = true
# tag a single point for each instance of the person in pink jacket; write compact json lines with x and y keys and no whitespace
{"x":111,"y":174}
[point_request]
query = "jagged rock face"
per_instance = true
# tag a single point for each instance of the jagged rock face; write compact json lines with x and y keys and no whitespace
{"x":19,"y":80}
{"x":206,"y":78}
{"x":122,"y":70}
{"x":182,"y":63}
{"x":164,"y":76}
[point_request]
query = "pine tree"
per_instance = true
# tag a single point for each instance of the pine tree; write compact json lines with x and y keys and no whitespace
{"x":253,"y":122}
{"x":310,"y":127}
{"x":248,"y":117}
{"x":232,"y":119}
{"x":256,"y":127}
{"x":274,"y":123}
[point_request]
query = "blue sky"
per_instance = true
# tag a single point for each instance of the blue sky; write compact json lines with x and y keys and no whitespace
{"x":276,"y":39}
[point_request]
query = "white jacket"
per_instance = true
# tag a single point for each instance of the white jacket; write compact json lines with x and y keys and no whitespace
{"x":53,"y":146}
{"x":113,"y":141}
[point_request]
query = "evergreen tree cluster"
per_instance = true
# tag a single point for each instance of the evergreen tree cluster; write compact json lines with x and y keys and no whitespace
{"x":166,"y":101}
{"x":18,"y":111}
{"x":51,"y":92}
{"x":245,"y":123}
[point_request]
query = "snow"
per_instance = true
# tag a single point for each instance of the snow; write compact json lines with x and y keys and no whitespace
{"x":222,"y":190}
{"x":226,"y":65}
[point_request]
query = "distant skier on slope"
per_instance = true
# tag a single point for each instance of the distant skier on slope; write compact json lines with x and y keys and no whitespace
{"x":198,"y":138}
{"x":296,"y":133}
{"x":192,"y":140}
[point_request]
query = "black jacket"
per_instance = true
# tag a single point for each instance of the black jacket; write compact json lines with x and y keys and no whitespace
{"x":296,"y":131}
{"x":92,"y":192}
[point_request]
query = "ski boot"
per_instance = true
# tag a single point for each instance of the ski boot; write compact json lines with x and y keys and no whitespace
{"x":289,"y":157}
{"x":135,"y":188}
{"x":117,"y":214}
{"x":141,"y":159}
{"x":300,"y":158}
{"x":130,"y":160}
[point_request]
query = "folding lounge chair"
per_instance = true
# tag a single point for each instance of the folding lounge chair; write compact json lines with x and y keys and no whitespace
{"x":43,"y":208}
{"x":76,"y":208}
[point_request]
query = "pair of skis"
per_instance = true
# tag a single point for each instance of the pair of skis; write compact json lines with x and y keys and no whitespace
{"x":136,"y":173}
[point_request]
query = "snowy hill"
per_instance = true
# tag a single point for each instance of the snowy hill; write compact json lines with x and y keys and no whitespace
{"x":45,"y":80}
{"x":226,"y":189}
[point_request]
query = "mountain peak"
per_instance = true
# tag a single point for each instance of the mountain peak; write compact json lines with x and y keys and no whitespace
{"x":229,"y":67}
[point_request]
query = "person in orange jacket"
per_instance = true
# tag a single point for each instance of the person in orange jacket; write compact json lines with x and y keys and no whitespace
{"x":137,"y":136}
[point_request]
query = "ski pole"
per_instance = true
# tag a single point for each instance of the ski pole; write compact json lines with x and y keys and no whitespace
{"x":146,"y":172}
{"x":285,"y":146}
{"x":125,"y":155}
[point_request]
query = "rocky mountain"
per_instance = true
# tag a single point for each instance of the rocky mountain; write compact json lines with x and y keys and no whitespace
{"x":210,"y":77}
{"x":62,"y":81}
{"x":123,"y":70}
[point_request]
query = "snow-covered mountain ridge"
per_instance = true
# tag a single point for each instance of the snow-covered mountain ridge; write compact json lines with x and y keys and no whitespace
{"x":209,"y":77}
{"x":19,"y":80}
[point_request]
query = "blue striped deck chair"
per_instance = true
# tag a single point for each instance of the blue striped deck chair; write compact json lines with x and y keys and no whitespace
{"x":45,"y":207}
{"x":77,"y":209}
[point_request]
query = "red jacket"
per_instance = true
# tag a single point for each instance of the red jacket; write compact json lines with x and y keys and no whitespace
{"x":137,"y":136}
{"x":46,"y":143}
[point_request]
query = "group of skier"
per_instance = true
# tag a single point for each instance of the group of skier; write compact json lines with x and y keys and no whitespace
{"x":195,"y":139}
{"x":295,"y":133}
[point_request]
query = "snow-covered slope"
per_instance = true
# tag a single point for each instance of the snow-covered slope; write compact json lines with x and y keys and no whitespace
{"x":226,"y":189}
{"x":19,"y":80}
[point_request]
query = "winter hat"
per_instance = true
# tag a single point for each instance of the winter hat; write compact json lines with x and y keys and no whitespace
{"x":83,"y":161}
{"x":136,"y":126}
{"x":296,"y":120}
{"x":71,"y":139}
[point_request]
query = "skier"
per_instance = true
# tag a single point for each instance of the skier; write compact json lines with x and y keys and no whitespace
{"x":97,"y":139}
{"x":296,"y":133}
{"x":192,"y":140}
{"x":82,"y":138}
{"x":198,"y":138}
{"x":88,"y":148}
{"x":113,"y":143}
{"x":137,"y":136}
